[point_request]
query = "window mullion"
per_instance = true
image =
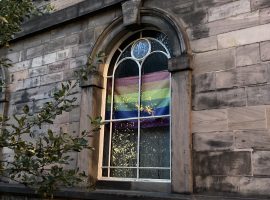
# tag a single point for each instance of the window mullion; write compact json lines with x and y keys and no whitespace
{"x":139,"y":123}
{"x":111,"y":124}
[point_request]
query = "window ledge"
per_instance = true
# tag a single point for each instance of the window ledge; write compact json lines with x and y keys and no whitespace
{"x":102,"y":194}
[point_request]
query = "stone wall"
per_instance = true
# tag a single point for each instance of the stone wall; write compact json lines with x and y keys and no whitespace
{"x":230,"y":46}
{"x":41,"y":62}
{"x":229,"y":41}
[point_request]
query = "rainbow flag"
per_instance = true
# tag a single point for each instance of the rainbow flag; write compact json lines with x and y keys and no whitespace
{"x":155,"y":96}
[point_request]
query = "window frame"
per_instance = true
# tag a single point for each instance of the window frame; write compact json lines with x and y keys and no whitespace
{"x":140,"y":63}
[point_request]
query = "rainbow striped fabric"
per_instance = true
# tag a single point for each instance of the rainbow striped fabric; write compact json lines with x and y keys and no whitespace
{"x":155,"y":96}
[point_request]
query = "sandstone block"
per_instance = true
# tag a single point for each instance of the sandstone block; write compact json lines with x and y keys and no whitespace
{"x":255,"y":139}
{"x":265,"y":48}
{"x":87,"y":36}
{"x":217,"y":184}
{"x":205,"y":101}
{"x":75,"y":115}
{"x":38,"y":71}
{"x":222,"y":163}
{"x":78,"y":62}
{"x":224,"y":25}
{"x":72,"y":40}
{"x":252,"y":75}
{"x":209,"y":120}
{"x":18,"y":76}
{"x":265,"y":16}
{"x":247,"y":55}
{"x":82,"y":50}
{"x":231,"y":98}
{"x":51,"y":78}
{"x":14,"y":57}
{"x":31,"y":82}
{"x":228,"y":10}
{"x":258,"y":4}
{"x":214,"y":141}
{"x":204,"y":82}
{"x":254,"y":185}
{"x":214,"y":61}
{"x":68,"y":29}
{"x":54,"y":45}
{"x":247,"y":118}
{"x":61,"y":55}
{"x":58,"y":66}
{"x":20,"y":66}
{"x":204,"y":44}
{"x":244,"y":36}
{"x":233,"y":23}
{"x":35,"y":51}
{"x":258,"y":95}
{"x":226,"y":79}
{"x":37,"y":62}
{"x":261,"y":162}
{"x":49,"y":58}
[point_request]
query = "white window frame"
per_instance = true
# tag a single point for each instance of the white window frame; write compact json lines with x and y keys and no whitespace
{"x":139,"y":63}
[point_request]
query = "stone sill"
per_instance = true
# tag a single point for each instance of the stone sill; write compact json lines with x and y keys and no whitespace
{"x":101,"y":194}
{"x":73,"y":12}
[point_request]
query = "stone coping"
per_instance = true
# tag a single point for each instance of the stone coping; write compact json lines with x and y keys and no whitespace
{"x":73,"y":12}
{"x":101,"y":194}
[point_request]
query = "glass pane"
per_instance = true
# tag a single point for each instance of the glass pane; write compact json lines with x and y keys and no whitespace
{"x":123,"y":173}
{"x":130,"y":40}
{"x":155,"y":142}
{"x":126,"y":87}
{"x":155,"y":97}
{"x":156,"y":46}
{"x":154,"y":63}
{"x":124,"y":143}
{"x":108,"y":99}
{"x":141,"y":48}
{"x":126,"y":53}
{"x":106,"y":145}
{"x":113,"y":62}
{"x":104,"y":172}
{"x":155,"y":173}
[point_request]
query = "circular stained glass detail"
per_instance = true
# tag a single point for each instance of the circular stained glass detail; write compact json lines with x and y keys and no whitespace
{"x":140,"y":49}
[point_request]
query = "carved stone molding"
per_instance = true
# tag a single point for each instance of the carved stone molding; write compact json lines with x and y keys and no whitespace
{"x":131,"y":12}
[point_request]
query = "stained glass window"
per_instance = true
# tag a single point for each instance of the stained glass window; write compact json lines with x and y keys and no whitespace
{"x":137,"y":131}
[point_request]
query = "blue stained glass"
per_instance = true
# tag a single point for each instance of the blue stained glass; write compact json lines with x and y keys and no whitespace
{"x":140,"y":49}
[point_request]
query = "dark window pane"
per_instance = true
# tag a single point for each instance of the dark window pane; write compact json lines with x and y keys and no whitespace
{"x":105,"y":172}
{"x":126,"y":53}
{"x":155,"y":143}
{"x":123,"y":173}
{"x":153,"y":34}
{"x":124,"y":143}
{"x":159,"y":36}
{"x":154,"y":63}
{"x":127,"y":68}
{"x":113,"y":62}
{"x":155,"y":96}
{"x":155,"y":173}
{"x":126,"y":88}
{"x":156,"y":46}
{"x":106,"y":145}
{"x":130,"y":40}
{"x":108,"y":99}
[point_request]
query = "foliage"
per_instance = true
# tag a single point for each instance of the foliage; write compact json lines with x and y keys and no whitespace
{"x":89,"y":68}
{"x":13,"y":13}
{"x":41,"y":160}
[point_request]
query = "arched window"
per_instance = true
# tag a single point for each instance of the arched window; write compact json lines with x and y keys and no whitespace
{"x":137,"y":136}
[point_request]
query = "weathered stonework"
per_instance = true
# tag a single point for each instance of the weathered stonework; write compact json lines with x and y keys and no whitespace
{"x":227,"y":45}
